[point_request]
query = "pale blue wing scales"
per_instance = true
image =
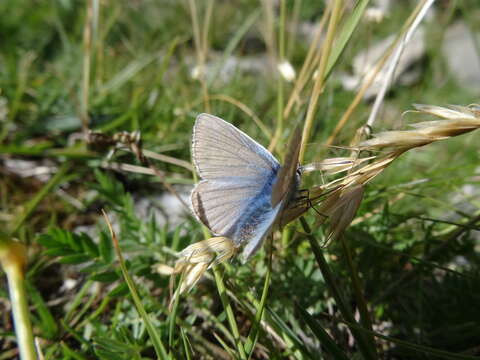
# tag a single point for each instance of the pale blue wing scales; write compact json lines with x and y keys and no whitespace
{"x":220,"y":205}
{"x":221,"y":150}
{"x":261,"y":231}
{"x":234,"y":197}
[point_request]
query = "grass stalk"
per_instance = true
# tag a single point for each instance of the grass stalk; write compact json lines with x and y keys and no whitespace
{"x":308,"y":64}
{"x":280,"y":79}
{"x":394,"y":60}
{"x":152,"y":331}
{"x":253,"y":336}
{"x":13,"y":257}
{"x":222,"y":291}
{"x":87,"y":58}
{"x":372,"y":75}
{"x":319,"y":82}
{"x":39,"y":196}
{"x":364,"y":345}
{"x":201,"y":48}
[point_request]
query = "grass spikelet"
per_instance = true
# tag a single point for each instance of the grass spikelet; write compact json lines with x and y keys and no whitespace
{"x":339,"y":199}
{"x":457,"y":120}
{"x":195,"y":259}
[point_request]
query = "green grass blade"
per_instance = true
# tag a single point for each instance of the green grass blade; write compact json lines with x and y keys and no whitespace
{"x":253,"y":335}
{"x":229,"y":311}
{"x":39,"y":196}
{"x":232,"y":44}
{"x":363,"y":344}
{"x":152,"y":331}
{"x":357,"y":290}
{"x":345,"y":34}
{"x":48,"y":325}
{"x":227,"y":348}
{"x":173,"y":315}
{"x":327,"y":342}
{"x":187,"y":347}
{"x":123,"y":76}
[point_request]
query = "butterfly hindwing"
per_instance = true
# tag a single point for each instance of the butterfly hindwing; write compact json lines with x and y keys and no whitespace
{"x":234,"y":170}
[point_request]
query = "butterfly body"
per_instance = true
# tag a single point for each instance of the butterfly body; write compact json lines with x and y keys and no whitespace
{"x":235,"y":197}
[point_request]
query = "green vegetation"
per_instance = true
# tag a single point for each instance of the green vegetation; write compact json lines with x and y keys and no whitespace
{"x":401,"y":282}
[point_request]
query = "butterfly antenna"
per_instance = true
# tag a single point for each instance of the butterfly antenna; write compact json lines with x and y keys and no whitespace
{"x":311,"y":206}
{"x":308,"y":202}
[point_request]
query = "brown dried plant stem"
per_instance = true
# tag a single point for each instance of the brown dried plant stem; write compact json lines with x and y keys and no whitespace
{"x":312,"y":58}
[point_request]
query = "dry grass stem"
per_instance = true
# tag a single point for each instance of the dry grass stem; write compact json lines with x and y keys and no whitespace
{"x":312,"y":58}
{"x":372,"y":74}
{"x":395,"y":59}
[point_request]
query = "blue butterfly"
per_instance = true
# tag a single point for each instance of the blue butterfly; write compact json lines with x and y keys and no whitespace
{"x":243,"y":189}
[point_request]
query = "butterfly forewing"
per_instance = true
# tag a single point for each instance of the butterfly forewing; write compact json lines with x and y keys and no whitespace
{"x":221,"y":150}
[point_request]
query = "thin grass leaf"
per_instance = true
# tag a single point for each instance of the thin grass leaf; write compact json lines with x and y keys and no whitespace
{"x":227,"y":348}
{"x":232,"y":44}
{"x":345,"y":35}
{"x":282,"y":328}
{"x":173,"y":315}
{"x":39,"y":196}
{"x":77,"y":301}
{"x":123,"y":76}
{"x":187,"y":346}
{"x":229,"y":312}
{"x":48,"y":324}
{"x":152,"y":331}
{"x":325,"y":340}
{"x":254,"y":331}
{"x":416,"y":347}
{"x":362,"y":340}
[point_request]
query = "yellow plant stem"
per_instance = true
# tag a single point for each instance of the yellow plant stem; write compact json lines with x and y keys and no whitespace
{"x":13,"y":259}
{"x":318,"y":86}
